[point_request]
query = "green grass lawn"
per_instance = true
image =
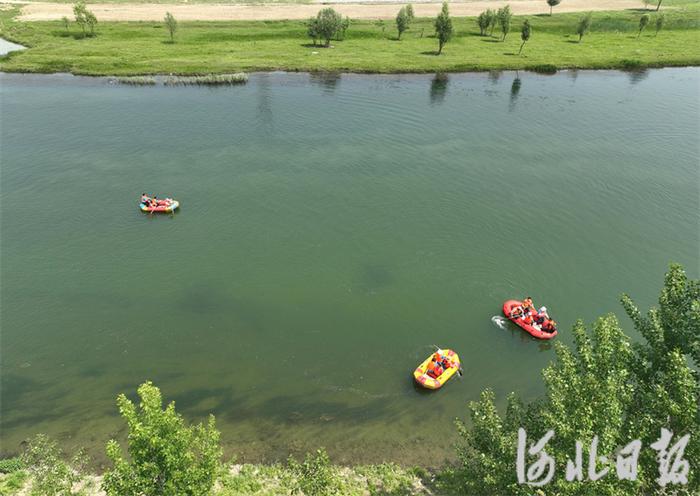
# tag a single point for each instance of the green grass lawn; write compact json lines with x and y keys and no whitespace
{"x":124,"y":48}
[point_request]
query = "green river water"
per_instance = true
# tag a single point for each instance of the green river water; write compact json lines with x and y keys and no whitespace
{"x":332,"y":228}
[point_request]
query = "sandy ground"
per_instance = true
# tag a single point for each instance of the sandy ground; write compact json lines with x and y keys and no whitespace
{"x":218,"y":12}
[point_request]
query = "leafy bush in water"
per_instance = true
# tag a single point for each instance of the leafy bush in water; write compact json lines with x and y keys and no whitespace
{"x":315,"y":476}
{"x":51,"y":475}
{"x":165,"y":455}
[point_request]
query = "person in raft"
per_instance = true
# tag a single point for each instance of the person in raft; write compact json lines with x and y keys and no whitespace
{"x":145,"y":199}
{"x":435,"y":369}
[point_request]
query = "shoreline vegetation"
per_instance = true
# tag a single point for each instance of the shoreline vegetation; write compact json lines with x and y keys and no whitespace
{"x":603,"y":385}
{"x":613,"y":40}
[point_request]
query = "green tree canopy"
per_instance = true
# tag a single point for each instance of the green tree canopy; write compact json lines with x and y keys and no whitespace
{"x":327,"y":24}
{"x":485,"y":20}
{"x":524,"y":34}
{"x":552,"y":3}
{"x":443,"y":27}
{"x":402,"y":21}
{"x":165,"y":455}
{"x":504,"y":15}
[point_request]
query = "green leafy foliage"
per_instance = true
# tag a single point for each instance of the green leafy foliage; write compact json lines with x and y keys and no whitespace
{"x":525,"y":34}
{"x":402,"y":21}
{"x":84,"y":18}
{"x":327,"y":25}
{"x":504,"y":16}
{"x":13,"y":482}
{"x":605,"y":387}
{"x":485,"y":20}
{"x":50,"y":474}
{"x":165,"y":455}
{"x":410,"y":13}
{"x":584,"y":25}
{"x":9,"y":465}
{"x":170,"y":25}
{"x":443,"y":27}
{"x":315,"y":476}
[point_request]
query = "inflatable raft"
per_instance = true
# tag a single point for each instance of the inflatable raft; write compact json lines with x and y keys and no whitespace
{"x":162,"y":206}
{"x":534,"y":331}
{"x":421,"y":373}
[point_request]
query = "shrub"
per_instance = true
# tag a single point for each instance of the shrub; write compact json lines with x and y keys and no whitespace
{"x":443,"y":27}
{"x":9,"y":465}
{"x":50,"y":474}
{"x":84,"y":18}
{"x":543,"y":68}
{"x":165,"y":455}
{"x":315,"y":476}
{"x":584,"y":25}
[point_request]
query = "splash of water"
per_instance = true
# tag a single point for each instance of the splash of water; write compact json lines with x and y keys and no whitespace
{"x":499,"y":321}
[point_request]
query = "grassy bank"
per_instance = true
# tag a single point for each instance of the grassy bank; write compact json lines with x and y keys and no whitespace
{"x":136,"y":48}
{"x":277,"y":480}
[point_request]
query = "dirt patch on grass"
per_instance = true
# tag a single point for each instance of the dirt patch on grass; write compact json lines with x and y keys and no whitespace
{"x":231,"y":12}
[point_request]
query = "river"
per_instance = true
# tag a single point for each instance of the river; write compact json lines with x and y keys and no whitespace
{"x":332,"y":228}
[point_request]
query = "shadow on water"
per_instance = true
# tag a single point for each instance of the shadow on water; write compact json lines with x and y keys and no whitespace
{"x":514,"y":92}
{"x":438,"y":88}
{"x":494,"y":76}
{"x":637,"y":75}
{"x":373,"y":277}
{"x":328,"y":81}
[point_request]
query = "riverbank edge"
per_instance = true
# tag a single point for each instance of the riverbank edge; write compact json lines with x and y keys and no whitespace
{"x":273,"y":479}
{"x":614,"y":58}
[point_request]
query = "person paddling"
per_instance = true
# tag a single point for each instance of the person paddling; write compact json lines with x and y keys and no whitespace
{"x":145,"y":199}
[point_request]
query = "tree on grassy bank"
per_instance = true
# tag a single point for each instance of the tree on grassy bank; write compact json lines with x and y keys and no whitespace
{"x":165,"y":455}
{"x":552,"y":3}
{"x":170,"y":25}
{"x":584,"y":25}
{"x":643,"y":22}
{"x":84,"y":18}
{"x":524,"y":34}
{"x":328,"y":24}
{"x":485,"y":20}
{"x":504,"y":15}
{"x":443,"y":27}
{"x":600,"y":398}
{"x":402,"y":21}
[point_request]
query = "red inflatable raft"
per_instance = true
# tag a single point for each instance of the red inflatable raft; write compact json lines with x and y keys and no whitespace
{"x":534,"y":331}
{"x":161,"y":206}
